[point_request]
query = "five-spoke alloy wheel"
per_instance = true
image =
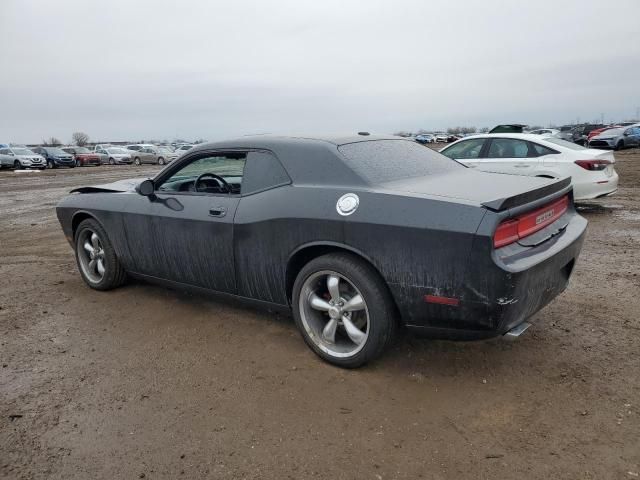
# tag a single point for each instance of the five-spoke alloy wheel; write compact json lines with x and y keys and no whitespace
{"x":343,"y":309}
{"x":91,"y":256}
{"x":97,"y":260}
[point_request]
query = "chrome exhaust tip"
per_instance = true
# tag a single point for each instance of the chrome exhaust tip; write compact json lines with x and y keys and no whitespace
{"x":516,"y":331}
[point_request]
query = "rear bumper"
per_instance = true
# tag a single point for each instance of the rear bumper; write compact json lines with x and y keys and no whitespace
{"x":499,"y":295}
{"x":89,"y":161}
{"x":596,"y":188}
{"x":606,"y":144}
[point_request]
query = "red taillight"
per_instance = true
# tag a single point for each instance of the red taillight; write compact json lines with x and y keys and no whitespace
{"x":522,"y":226}
{"x":593,"y":165}
{"x":506,"y":233}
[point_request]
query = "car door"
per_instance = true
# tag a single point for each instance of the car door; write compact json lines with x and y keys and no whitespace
{"x":186,"y":233}
{"x":104,"y":156}
{"x":150,"y":155}
{"x":633,"y":139}
{"x":467,"y":152}
{"x":509,"y":155}
{"x":5,"y":158}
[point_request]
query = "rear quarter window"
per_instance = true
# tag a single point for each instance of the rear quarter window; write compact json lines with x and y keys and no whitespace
{"x":380,"y":161}
{"x":541,"y":150}
{"x":262,"y":171}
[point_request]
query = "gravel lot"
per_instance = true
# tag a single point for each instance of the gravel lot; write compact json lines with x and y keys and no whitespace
{"x":145,"y":382}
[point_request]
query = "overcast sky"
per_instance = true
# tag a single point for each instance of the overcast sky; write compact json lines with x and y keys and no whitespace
{"x":142,"y":69}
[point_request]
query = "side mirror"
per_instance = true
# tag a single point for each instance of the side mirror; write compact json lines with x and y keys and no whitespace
{"x":146,"y":188}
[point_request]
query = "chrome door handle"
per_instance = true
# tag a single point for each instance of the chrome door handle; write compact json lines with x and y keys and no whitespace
{"x":217,"y":211}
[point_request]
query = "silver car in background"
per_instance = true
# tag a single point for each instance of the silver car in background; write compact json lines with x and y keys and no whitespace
{"x":115,"y":155}
{"x":181,"y":149}
{"x":21,"y":157}
{"x":617,"y":138}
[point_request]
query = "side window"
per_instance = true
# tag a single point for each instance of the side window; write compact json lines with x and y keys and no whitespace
{"x":541,"y":150}
{"x":467,"y":149}
{"x":219,"y":173}
{"x":4,"y":151}
{"x":508,"y":148}
{"x":261,"y":172}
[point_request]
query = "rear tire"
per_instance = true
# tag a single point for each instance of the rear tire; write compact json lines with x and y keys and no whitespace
{"x":97,"y":261}
{"x":160,"y":161}
{"x":78,"y":164}
{"x":320,"y":317}
{"x":136,"y":161}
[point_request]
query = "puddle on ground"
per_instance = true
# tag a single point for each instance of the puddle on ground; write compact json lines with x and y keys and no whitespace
{"x":628,"y":234}
{"x":626,"y":215}
{"x":596,"y":208}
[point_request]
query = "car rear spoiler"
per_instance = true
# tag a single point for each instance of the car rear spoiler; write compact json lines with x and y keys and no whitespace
{"x":528,"y":197}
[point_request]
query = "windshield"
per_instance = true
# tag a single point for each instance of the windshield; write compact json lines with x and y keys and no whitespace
{"x":117,"y":150}
{"x":563,"y":143}
{"x":22,"y":151}
{"x":380,"y":161}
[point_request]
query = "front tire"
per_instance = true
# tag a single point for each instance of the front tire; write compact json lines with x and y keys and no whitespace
{"x":17,"y":165}
{"x":97,"y":261}
{"x":343,"y":310}
{"x":619,"y":145}
{"x":112,"y":161}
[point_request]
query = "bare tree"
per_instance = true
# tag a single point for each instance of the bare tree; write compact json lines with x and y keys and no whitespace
{"x":80,"y":138}
{"x":484,"y":130}
{"x":51,"y":142}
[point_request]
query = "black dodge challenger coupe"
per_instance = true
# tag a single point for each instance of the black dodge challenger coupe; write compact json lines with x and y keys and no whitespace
{"x":355,"y":235}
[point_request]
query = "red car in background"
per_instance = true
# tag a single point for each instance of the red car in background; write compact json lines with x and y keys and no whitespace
{"x":598,"y":131}
{"x":83,"y":156}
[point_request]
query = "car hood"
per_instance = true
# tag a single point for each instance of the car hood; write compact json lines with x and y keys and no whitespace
{"x":605,"y":136}
{"x":495,"y":191}
{"x":120,"y":186}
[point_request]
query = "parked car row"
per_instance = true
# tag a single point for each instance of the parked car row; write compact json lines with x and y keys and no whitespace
{"x":424,"y":138}
{"x":19,"y":157}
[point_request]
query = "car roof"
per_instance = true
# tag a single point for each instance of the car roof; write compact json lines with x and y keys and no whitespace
{"x":309,"y":159}
{"x":520,"y":136}
{"x":251,"y":141}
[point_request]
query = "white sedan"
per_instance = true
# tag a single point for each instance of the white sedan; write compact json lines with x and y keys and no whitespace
{"x":591,"y":171}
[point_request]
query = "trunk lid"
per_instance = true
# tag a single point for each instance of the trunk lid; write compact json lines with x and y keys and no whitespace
{"x":495,"y":191}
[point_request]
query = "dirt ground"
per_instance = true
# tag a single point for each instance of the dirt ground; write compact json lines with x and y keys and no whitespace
{"x":145,"y":382}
